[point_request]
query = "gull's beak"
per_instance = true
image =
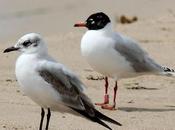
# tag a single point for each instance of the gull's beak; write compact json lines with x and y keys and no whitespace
{"x":11,"y":49}
{"x":80,"y":24}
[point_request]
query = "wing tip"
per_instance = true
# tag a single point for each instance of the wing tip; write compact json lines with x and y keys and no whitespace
{"x":94,"y":118}
{"x":106,"y":118}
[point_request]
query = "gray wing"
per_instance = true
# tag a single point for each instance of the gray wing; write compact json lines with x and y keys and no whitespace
{"x":65,"y":83}
{"x":138,"y":58}
{"x":69,"y":86}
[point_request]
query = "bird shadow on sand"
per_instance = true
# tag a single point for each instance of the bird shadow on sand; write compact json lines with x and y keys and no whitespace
{"x":137,"y":109}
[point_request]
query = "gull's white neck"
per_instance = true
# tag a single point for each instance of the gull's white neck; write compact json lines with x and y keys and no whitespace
{"x":29,"y":59}
{"x":107,"y":28}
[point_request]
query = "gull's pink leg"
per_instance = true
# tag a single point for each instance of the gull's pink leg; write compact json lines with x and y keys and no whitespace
{"x":106,"y":96}
{"x":112,"y":107}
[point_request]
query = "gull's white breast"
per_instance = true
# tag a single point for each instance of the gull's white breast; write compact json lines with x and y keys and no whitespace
{"x":34,"y":86}
{"x":98,"y":49}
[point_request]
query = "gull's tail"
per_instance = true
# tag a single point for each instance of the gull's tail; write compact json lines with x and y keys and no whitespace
{"x":168,"y":72}
{"x":94,"y":115}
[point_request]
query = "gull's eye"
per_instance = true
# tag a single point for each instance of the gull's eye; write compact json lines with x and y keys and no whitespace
{"x":91,"y":21}
{"x":27,"y":43}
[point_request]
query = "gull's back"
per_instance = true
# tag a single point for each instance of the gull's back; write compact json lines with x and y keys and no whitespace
{"x":139,"y":59}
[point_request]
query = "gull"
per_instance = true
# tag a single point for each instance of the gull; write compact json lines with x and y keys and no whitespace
{"x":115,"y":55}
{"x":50,"y":84}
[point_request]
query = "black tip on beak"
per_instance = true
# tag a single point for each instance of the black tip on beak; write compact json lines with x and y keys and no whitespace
{"x":80,"y":24}
{"x":10,"y":49}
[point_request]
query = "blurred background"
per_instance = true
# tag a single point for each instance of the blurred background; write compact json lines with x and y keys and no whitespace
{"x":48,"y":17}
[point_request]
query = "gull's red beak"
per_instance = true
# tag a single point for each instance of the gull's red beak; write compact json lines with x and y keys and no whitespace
{"x":80,"y":24}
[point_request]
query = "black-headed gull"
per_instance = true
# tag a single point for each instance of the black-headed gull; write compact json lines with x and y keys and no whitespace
{"x":50,"y":84}
{"x":115,"y":55}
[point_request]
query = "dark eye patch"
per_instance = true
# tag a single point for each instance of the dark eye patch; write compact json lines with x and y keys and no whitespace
{"x":27,"y":43}
{"x":35,"y":45}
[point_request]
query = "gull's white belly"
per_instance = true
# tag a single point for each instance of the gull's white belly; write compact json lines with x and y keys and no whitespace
{"x":109,"y":63}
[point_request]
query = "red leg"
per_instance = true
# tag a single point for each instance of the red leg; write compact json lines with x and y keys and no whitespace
{"x":106,"y":96}
{"x":112,"y":107}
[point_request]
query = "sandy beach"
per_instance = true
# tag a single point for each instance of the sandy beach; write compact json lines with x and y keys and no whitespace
{"x":150,"y":108}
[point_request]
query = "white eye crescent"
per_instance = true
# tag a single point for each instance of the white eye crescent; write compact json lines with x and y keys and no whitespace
{"x":93,"y":22}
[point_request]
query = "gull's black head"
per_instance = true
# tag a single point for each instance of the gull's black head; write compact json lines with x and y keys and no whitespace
{"x":95,"y":21}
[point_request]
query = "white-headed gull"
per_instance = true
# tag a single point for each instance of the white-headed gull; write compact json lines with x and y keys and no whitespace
{"x":50,"y":84}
